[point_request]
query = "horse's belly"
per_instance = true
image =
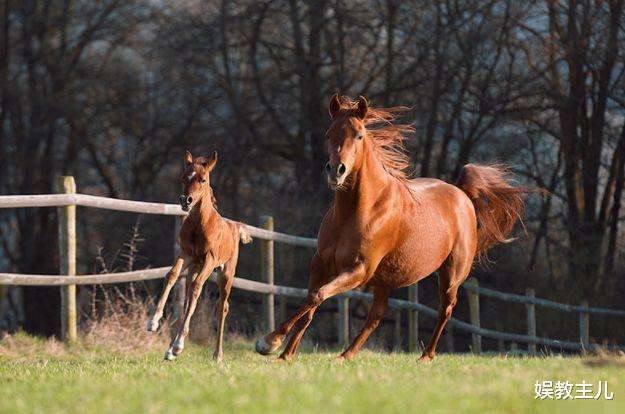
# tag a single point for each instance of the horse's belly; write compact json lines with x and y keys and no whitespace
{"x":411,"y":262}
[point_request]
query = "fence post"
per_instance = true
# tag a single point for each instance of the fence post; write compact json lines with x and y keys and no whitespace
{"x":584,"y":326}
{"x":531,"y":319}
{"x":397,"y":341}
{"x":181,"y":288}
{"x":413,"y":320}
{"x":474,"y":307}
{"x":343,"y":322}
{"x":67,"y":259}
{"x":266,"y":266}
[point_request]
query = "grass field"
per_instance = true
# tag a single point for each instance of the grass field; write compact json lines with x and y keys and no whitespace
{"x":37,"y":376}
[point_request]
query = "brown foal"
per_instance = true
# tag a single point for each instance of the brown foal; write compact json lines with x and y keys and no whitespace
{"x":387,"y":231}
{"x":207,"y":241}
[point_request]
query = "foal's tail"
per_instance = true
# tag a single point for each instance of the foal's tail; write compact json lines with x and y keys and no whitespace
{"x":498,"y":205}
{"x":244,"y":234}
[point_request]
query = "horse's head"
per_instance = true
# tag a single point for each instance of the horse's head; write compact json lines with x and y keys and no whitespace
{"x":195,"y":179}
{"x":345,"y":139}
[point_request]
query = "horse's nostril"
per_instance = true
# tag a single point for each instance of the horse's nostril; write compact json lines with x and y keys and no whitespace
{"x":189,"y":200}
{"x":328,"y":167}
{"x":341,"y":169}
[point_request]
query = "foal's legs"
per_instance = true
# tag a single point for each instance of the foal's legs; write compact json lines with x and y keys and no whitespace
{"x":177,"y":344}
{"x":450,"y":276}
{"x":192,"y":273}
{"x":348,"y":279}
{"x":170,"y":279}
{"x":224,"y":281}
{"x":376,"y":313}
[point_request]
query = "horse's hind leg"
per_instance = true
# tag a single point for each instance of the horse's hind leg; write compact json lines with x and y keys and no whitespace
{"x":224,"y":280}
{"x":376,"y":313}
{"x":450,"y":276}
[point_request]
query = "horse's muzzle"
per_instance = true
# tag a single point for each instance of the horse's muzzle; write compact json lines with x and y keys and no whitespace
{"x":185,"y":202}
{"x":335,"y":175}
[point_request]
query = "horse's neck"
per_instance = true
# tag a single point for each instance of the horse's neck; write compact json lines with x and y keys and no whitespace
{"x":203,"y":212}
{"x":367,"y":185}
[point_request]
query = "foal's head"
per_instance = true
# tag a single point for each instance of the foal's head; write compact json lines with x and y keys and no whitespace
{"x":195,"y":179}
{"x":345,"y":139}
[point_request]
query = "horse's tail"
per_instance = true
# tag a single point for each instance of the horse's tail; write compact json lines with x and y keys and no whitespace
{"x":498,"y":204}
{"x":244,"y":234}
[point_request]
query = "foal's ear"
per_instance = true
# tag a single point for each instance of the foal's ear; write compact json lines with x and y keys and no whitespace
{"x":335,"y":105}
{"x":188,"y":158}
{"x":363,"y":107}
{"x":210,"y":163}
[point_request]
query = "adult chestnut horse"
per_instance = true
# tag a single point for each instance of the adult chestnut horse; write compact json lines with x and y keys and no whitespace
{"x":387,"y":231}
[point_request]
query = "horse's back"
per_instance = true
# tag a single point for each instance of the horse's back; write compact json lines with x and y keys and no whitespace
{"x":440,"y":194}
{"x":452,"y":203}
{"x":434,"y":187}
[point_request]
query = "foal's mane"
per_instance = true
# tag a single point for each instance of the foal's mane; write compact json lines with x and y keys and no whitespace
{"x":387,"y":136}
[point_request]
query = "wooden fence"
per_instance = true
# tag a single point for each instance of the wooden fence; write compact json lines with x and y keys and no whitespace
{"x":67,"y":201}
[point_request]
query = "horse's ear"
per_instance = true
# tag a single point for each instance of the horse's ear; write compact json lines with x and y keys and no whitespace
{"x":210,"y":164}
{"x":335,"y":105}
{"x":188,"y":158}
{"x":363,"y":107}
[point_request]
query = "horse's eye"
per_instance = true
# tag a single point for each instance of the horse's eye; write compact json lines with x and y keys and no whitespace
{"x":202,"y":181}
{"x":359,"y":136}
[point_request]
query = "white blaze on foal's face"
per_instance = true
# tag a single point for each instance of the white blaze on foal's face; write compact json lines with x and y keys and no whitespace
{"x":196,"y":179}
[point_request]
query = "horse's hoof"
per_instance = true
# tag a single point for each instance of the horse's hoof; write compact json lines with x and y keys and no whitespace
{"x":169,"y":355}
{"x":177,"y":349}
{"x":152,"y":326}
{"x":285,"y":358}
{"x":263,"y":348}
{"x":340,"y":359}
{"x":426,"y":358}
{"x":218,"y":358}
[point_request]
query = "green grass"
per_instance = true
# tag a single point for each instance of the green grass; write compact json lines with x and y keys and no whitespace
{"x":89,"y":380}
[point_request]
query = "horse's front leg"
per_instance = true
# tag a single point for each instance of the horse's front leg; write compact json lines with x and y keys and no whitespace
{"x":177,"y":344}
{"x":318,"y":276}
{"x":348,"y":279}
{"x":170,"y":279}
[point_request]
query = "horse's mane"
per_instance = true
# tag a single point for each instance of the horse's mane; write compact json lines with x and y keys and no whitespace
{"x":387,"y":136}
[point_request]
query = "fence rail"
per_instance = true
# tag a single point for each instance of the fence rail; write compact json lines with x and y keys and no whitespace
{"x":270,"y":290}
{"x":564,"y":307}
{"x":129,"y":206}
{"x":264,"y":288}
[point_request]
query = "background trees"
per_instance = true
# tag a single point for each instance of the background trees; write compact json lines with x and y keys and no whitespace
{"x":114,"y":91}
